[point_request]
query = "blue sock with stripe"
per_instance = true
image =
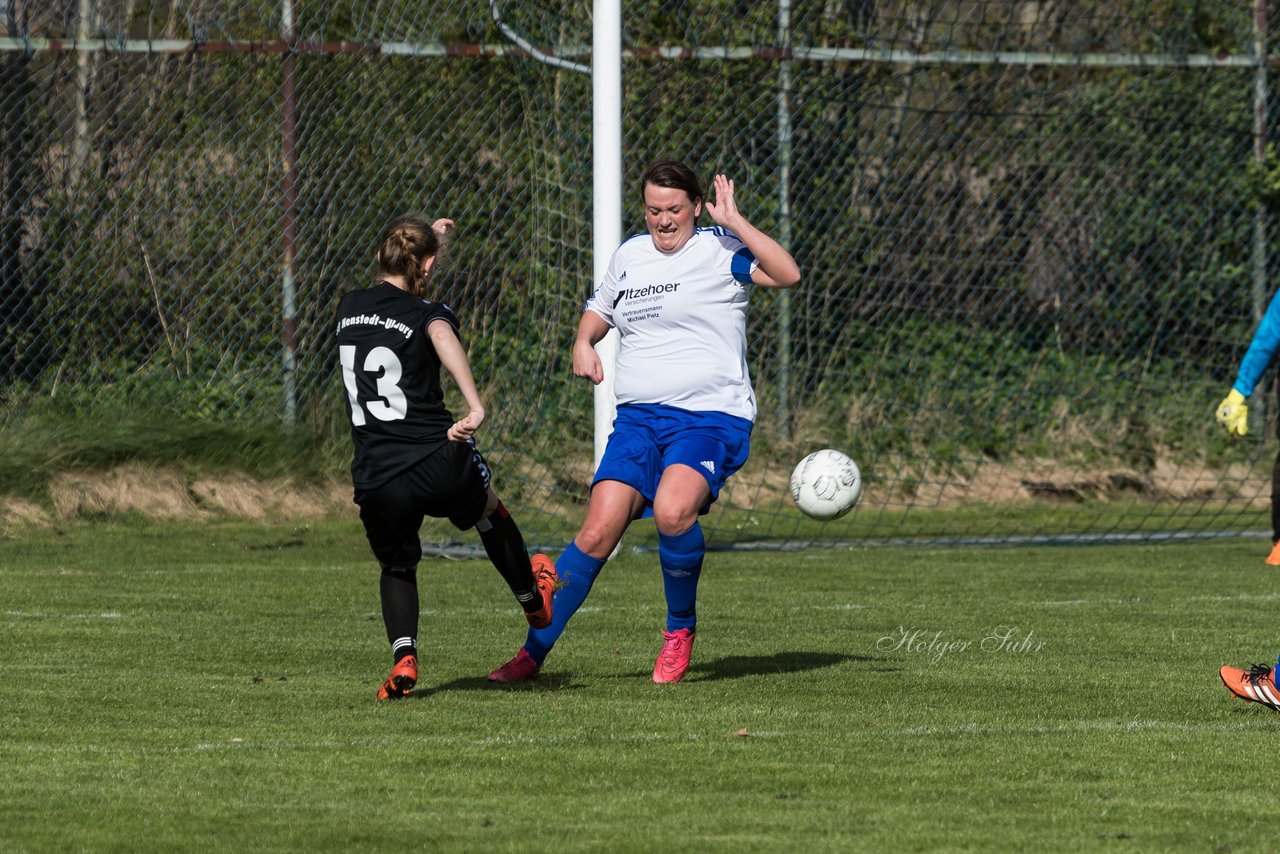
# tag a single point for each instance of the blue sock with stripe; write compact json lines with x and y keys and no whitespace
{"x":577,"y":571}
{"x":681,"y":558}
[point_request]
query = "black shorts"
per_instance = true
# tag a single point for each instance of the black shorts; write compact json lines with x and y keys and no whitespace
{"x":452,"y":483}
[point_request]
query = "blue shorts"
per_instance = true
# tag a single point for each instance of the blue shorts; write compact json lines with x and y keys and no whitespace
{"x":647,"y":438}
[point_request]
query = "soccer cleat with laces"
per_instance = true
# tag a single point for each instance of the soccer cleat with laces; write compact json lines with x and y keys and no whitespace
{"x":673,"y":661}
{"x":1256,"y":684}
{"x":1273,"y":559}
{"x":545,"y":579}
{"x":522,"y":668}
{"x":401,"y":681}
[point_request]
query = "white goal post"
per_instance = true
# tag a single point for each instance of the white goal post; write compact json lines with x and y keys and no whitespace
{"x":606,"y":150}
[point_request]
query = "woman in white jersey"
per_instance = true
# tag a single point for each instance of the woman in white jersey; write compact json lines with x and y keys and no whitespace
{"x":678,"y":298}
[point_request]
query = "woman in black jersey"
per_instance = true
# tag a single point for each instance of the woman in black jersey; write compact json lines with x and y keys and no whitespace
{"x":412,"y":459}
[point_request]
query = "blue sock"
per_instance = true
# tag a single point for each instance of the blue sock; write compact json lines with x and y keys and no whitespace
{"x":577,"y":571}
{"x":681,"y":558}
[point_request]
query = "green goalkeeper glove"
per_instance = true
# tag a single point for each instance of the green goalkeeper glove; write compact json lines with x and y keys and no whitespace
{"x":1233,"y":413}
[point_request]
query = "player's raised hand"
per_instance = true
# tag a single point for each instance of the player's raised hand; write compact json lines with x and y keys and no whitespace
{"x":442,"y":226}
{"x":465,"y":427}
{"x":1233,"y":413}
{"x":723,"y":211}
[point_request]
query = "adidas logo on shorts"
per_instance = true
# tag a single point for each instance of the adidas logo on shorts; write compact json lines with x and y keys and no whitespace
{"x":709,"y":466}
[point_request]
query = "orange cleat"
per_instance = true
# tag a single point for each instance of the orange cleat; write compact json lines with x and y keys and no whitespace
{"x":401,"y":681}
{"x":1257,"y":684}
{"x":673,"y":661}
{"x":1273,"y":559}
{"x":545,"y":579}
{"x":522,"y":668}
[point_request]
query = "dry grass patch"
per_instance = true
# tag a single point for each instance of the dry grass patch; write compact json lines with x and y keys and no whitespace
{"x":155,"y":493}
{"x":246,"y":498}
{"x":17,"y":514}
{"x":160,"y":493}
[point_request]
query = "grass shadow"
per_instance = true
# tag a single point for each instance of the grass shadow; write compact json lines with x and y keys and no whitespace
{"x":737,"y":666}
{"x":554,"y":681}
{"x":730,"y":667}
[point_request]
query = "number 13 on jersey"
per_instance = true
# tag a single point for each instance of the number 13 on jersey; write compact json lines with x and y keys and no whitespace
{"x":390,"y":404}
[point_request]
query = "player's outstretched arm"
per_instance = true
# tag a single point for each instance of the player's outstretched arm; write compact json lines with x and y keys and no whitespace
{"x":777,"y":268}
{"x":1233,"y":411}
{"x":455,"y":361}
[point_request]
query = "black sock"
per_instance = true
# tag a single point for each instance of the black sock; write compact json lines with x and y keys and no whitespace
{"x":399,"y":592}
{"x":1275,"y":501}
{"x":505,"y":547}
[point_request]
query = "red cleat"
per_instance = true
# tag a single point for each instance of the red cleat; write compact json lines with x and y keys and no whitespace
{"x":545,"y":579}
{"x":673,"y":661}
{"x":1273,"y":559}
{"x":401,"y":681}
{"x":522,"y":668}
{"x":1257,"y":684}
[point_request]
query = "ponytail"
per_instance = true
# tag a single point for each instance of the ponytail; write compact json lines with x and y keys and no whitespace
{"x":404,"y":245}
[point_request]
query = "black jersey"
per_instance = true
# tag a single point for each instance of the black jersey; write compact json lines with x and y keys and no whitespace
{"x":391,"y":372}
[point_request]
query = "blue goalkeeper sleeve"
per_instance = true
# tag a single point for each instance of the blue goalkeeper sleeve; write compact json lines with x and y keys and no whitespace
{"x":1262,"y":349}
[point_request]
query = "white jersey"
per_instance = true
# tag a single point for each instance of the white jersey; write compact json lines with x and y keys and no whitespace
{"x":682,"y":322}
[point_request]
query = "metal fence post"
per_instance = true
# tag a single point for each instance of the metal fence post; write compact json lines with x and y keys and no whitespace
{"x":289,"y":201}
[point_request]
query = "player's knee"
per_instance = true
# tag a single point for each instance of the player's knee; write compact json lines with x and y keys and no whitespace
{"x":673,"y":521}
{"x":595,"y":540}
{"x":495,"y":512}
{"x":492,"y":505}
{"x":404,"y":573}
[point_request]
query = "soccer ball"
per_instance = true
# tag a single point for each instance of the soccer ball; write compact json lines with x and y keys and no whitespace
{"x":826,"y":484}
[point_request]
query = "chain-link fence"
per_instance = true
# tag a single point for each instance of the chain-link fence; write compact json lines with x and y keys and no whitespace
{"x":1034,"y":235}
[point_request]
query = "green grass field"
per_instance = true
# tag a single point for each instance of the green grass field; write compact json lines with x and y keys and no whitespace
{"x":171,"y":687}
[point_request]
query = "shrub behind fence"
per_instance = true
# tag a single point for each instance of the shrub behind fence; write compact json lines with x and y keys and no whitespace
{"x":1034,"y":236}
